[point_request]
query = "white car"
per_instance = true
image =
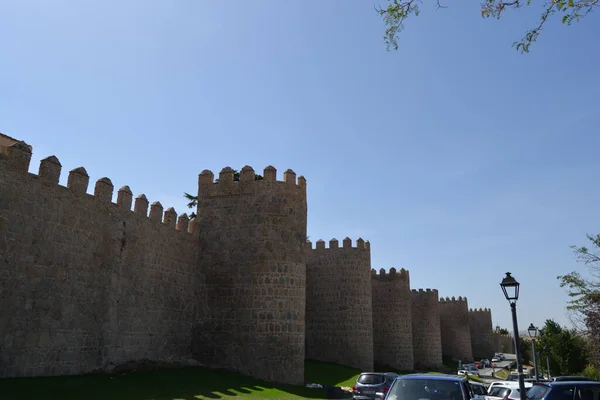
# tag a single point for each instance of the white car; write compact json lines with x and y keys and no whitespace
{"x":508,"y":384}
{"x":500,"y":392}
{"x":467,"y":372}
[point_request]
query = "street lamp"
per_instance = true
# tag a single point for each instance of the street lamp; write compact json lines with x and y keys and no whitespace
{"x":510,"y":287}
{"x":533,"y":332}
{"x":547,"y":351}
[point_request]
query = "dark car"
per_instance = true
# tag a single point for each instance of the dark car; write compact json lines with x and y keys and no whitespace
{"x":429,"y":386}
{"x":370,"y":383}
{"x":571,"y":378}
{"x":565,"y":390}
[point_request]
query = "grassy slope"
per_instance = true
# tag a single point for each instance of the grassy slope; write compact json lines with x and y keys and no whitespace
{"x":193,"y":383}
{"x":501,"y":373}
{"x":330,"y":374}
{"x":176,"y":384}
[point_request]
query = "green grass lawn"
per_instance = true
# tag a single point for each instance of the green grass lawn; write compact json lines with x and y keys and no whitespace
{"x":192,"y":383}
{"x":501,"y":374}
{"x":330,"y":374}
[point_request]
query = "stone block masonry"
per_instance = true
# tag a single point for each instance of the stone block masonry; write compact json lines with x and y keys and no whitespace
{"x":427,"y":336}
{"x":338,"y":303}
{"x":482,"y":339}
{"x":392,"y":319}
{"x":253,"y":234}
{"x":88,"y":284}
{"x":503,"y":343}
{"x":456,"y":334}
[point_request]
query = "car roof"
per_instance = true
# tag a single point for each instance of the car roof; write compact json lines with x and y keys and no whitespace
{"x":564,"y":383}
{"x":577,"y":377}
{"x":378,"y":373}
{"x":511,"y":384}
{"x":437,"y":377}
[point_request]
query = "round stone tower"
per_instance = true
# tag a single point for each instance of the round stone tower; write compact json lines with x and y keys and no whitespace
{"x":480,"y":323}
{"x":339,"y":324}
{"x":392,"y":319}
{"x":427,"y":337}
{"x":454,"y":323}
{"x":252,"y":232}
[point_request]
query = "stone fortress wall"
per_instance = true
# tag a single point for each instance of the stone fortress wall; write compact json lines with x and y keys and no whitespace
{"x":339,"y":321}
{"x":392,"y":319}
{"x":482,"y":339}
{"x":427,"y":335}
{"x":503,"y":343}
{"x":88,"y":283}
{"x":454,"y":323}
{"x":252,"y":236}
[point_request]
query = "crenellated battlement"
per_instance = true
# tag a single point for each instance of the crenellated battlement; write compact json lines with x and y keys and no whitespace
{"x":393,"y":274}
{"x":425,"y":292}
{"x":335,"y":244}
{"x":480,"y":310}
{"x":247,"y":182}
{"x":17,"y":157}
{"x":453,"y":299}
{"x":134,"y":280}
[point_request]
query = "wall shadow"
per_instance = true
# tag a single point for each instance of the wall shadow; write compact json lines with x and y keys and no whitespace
{"x":190,"y":383}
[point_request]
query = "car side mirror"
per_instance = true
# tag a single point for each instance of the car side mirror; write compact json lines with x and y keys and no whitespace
{"x":380,"y":395}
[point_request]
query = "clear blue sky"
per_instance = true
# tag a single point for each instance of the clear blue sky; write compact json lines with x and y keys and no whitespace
{"x":457,"y":157}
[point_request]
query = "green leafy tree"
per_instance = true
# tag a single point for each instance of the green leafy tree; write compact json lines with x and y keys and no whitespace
{"x":569,"y":11}
{"x":567,"y":349}
{"x":526,"y":350}
{"x":585,"y":294}
{"x":193,"y":200}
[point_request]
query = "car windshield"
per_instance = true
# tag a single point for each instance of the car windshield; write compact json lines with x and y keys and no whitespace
{"x":479,"y":390}
{"x":432,"y":389}
{"x":538,"y":392}
{"x":499,"y":391}
{"x":371,"y":379}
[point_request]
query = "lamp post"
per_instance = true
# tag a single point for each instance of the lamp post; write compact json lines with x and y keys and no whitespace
{"x":547,"y":351}
{"x":510,"y":287}
{"x":533,"y":332}
{"x":496,"y":351}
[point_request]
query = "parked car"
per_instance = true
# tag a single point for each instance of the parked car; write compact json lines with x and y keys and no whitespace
{"x":369,"y":383}
{"x":512,"y":377}
{"x":508,"y":384}
{"x":470,"y":367}
{"x":503,"y":392}
{"x":478,"y":389}
{"x":571,"y":378}
{"x":467,"y":372}
{"x":428,"y":386}
{"x":585,"y":390}
{"x":533,"y":380}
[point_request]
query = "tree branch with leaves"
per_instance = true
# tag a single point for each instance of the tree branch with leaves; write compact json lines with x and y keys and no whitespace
{"x":585,"y":293}
{"x":397,"y":11}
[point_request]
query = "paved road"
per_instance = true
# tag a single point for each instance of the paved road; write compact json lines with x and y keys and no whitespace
{"x":487,"y":372}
